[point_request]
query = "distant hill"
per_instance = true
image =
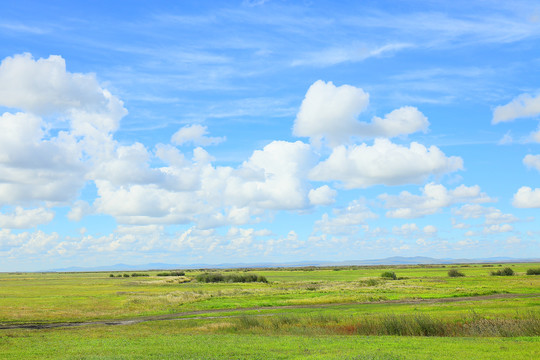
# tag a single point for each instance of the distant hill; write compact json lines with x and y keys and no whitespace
{"x":396,"y":260}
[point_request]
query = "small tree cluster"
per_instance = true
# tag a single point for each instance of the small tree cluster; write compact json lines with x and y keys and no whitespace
{"x":389,"y":275}
{"x":172,"y":273}
{"x":503,"y":272}
{"x":455,"y":273}
{"x":233,"y":278}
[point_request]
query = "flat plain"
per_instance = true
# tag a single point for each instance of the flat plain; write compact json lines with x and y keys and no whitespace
{"x":347,"y":312}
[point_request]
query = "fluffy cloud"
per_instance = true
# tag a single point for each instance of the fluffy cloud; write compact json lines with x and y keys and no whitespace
{"x":532,"y":161}
{"x":360,"y":166}
{"x":44,"y":86}
{"x":523,"y":106}
{"x":273,"y":178}
{"x":345,"y":221}
{"x":323,"y":195}
{"x":430,"y":230}
{"x":36,"y":167}
{"x":527,"y":198}
{"x":195,"y":134}
{"x":405,"y":229}
{"x":330,"y":112}
{"x":491,"y":214}
{"x":433,"y":199}
{"x":496,"y":229}
{"x":25,"y":218}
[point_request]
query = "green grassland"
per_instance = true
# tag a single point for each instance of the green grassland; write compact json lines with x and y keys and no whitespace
{"x":315,"y":313}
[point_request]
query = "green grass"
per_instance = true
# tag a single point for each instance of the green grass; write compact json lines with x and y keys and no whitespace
{"x":352,"y":318}
{"x":178,"y":340}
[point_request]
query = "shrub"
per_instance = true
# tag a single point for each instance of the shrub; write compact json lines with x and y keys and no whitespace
{"x":389,"y":275}
{"x":112,"y":275}
{"x":533,"y":271}
{"x":233,"y":278}
{"x":503,"y":272}
{"x":455,"y":273}
{"x":126,"y":275}
{"x":139,"y":274}
{"x":172,"y":273}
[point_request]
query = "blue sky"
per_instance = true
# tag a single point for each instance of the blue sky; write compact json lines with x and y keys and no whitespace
{"x":255,"y":131}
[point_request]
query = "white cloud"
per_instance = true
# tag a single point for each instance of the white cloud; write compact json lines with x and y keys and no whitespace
{"x":523,"y":106}
{"x":25,"y":218}
{"x":527,"y":198}
{"x":323,"y":195}
{"x":35,"y":167}
{"x":195,"y":134}
{"x":433,"y":199}
{"x":405,"y":229}
{"x":361,"y":166}
{"x":532,"y":161}
{"x":330,"y":112}
{"x":79,"y":210}
{"x":25,"y":242}
{"x":346,"y":220}
{"x":340,"y":55}
{"x":430,"y":229}
{"x":44,"y":86}
{"x":495,"y":229}
{"x":273,"y":178}
{"x":492,"y":215}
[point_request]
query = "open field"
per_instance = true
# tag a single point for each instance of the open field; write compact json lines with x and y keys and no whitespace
{"x":348,"y":312}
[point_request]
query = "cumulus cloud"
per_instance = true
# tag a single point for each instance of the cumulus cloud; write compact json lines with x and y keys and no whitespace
{"x":34,"y":166}
{"x":433,"y":199}
{"x":430,"y":229}
{"x":195,"y":134}
{"x":495,"y":229}
{"x":532,"y":161}
{"x":360,"y":166}
{"x":25,"y":218}
{"x":492,"y":215}
{"x":523,"y":106}
{"x":346,"y":220}
{"x":527,"y":198}
{"x":323,"y":195}
{"x":273,"y":178}
{"x":330,"y":112}
{"x":405,"y":229}
{"x":44,"y":86}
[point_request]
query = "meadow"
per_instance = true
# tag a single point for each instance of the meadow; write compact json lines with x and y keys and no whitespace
{"x":315,"y":313}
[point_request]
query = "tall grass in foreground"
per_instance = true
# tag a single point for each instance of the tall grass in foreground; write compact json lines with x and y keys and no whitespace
{"x":527,"y":324}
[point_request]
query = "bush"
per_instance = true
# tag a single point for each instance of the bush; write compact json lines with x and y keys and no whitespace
{"x":389,"y":275}
{"x":138,"y":274}
{"x":172,"y":273}
{"x":455,"y":273}
{"x":503,"y":272}
{"x":233,"y":278}
{"x":112,"y":275}
{"x":533,"y":271}
{"x":126,"y":275}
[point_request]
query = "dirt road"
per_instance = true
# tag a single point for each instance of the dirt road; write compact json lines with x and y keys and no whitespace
{"x":184,"y":315}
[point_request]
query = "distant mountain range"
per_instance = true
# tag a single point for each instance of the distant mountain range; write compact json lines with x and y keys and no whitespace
{"x":396,"y":260}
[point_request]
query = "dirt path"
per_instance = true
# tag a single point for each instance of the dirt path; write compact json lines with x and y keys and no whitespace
{"x":182,"y":315}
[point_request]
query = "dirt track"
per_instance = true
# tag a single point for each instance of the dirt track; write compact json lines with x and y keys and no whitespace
{"x":182,"y":315}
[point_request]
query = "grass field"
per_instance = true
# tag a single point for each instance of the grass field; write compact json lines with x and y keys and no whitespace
{"x":348,"y":312}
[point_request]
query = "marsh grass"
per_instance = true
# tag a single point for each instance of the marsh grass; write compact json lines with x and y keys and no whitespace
{"x":526,"y":324}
